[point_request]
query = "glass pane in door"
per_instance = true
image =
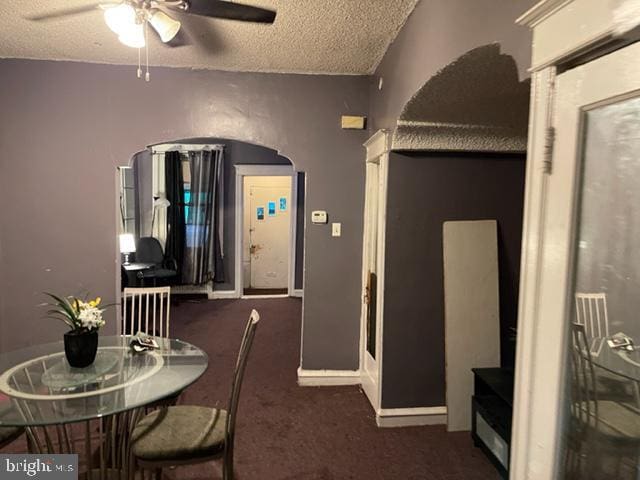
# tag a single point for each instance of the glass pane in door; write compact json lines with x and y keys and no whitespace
{"x":601,"y":406}
{"x":371,"y":292}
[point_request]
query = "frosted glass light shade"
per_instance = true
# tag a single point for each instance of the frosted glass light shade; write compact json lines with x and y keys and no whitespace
{"x":133,"y":37}
{"x":161,"y":202}
{"x":162,"y":23}
{"x":120,"y":18}
{"x":127,"y":243}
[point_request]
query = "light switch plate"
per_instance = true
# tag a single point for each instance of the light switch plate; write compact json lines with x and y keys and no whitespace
{"x":336,"y":229}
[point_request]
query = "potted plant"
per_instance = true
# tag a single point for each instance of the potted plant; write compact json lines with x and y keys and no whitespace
{"x":84,"y":319}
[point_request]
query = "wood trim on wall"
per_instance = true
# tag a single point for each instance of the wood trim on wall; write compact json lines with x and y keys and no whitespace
{"x":411,"y":417}
{"x":324,"y":378}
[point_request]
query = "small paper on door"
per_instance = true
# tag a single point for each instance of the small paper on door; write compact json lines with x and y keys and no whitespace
{"x":283,"y":204}
{"x":272,"y":209}
{"x":260,"y":213}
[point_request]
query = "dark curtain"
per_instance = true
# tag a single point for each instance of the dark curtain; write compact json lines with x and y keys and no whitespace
{"x":175,"y":245}
{"x":202,"y":261}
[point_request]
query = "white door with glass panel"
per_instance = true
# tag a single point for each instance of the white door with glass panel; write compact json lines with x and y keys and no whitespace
{"x":373,"y":267}
{"x":270,"y":217}
{"x":584,"y":409}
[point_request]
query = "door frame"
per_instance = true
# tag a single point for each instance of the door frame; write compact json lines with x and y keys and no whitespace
{"x":264,"y":171}
{"x":378,"y":147}
{"x":549,"y":249}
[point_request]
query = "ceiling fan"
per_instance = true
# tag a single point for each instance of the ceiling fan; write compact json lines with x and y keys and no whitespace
{"x":129,"y":19}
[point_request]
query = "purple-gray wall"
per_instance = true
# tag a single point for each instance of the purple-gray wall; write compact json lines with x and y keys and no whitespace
{"x":426,"y":190}
{"x":436,"y":33}
{"x":65,"y":128}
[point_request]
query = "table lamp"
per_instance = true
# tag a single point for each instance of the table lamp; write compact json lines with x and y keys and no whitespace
{"x":127,"y":245}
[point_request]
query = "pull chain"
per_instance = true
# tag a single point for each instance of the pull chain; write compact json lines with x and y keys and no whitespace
{"x":147,"y":77}
{"x":139,"y":64}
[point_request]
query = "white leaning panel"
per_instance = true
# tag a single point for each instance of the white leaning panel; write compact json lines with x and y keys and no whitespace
{"x":472,"y":319}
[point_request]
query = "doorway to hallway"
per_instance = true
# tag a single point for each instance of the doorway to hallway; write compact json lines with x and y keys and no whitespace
{"x":267,"y":218}
{"x":266,"y":237}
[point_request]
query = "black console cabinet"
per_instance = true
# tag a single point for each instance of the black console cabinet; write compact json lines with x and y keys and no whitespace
{"x":491,"y":410}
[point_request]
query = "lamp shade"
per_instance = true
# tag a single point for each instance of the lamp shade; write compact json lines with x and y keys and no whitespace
{"x":162,"y":23}
{"x":127,"y":243}
{"x":120,"y":18}
{"x":133,"y":37}
{"x":161,"y":202}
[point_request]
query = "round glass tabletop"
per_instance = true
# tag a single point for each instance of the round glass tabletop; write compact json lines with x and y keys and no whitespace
{"x":618,"y":361}
{"x":38,"y":387}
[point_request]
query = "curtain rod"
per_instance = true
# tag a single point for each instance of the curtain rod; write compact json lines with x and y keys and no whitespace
{"x":187,"y":150}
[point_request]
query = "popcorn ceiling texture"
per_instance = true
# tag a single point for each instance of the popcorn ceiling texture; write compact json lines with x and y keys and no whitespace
{"x":475,"y":103}
{"x":308,"y":36}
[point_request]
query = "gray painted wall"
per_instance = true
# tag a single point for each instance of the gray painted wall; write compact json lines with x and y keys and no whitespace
{"x":425,"y":190}
{"x":436,"y":33}
{"x":66,"y":126}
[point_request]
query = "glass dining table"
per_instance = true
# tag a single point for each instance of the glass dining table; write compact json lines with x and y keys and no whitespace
{"x":40,"y":391}
{"x":619,"y":361}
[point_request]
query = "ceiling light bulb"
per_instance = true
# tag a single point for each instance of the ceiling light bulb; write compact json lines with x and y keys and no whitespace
{"x":133,"y":36}
{"x":162,"y":23}
{"x":120,"y":18}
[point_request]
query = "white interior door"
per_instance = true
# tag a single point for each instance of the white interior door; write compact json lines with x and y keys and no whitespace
{"x":589,"y":244}
{"x":370,"y":298}
{"x":270,"y":217}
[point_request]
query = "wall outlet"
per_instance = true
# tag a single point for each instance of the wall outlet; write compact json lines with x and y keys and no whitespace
{"x":336,"y":229}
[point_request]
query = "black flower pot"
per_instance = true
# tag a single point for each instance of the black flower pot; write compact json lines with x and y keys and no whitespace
{"x":81,"y":348}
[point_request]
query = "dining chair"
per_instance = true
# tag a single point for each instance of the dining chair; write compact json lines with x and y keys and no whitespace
{"x":597,"y":426}
{"x":147,"y":310}
{"x":591,"y":311}
{"x":189,"y":434}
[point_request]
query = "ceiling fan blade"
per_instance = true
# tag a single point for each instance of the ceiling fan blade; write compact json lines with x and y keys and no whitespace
{"x":65,"y":12}
{"x":230,"y":11}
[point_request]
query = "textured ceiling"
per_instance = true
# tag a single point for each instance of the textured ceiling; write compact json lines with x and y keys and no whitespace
{"x":308,"y":36}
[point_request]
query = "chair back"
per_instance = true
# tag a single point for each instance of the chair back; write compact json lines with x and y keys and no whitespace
{"x":241,"y":363}
{"x":591,"y":311}
{"x":584,"y":402}
{"x":146,"y":310}
{"x":149,"y":250}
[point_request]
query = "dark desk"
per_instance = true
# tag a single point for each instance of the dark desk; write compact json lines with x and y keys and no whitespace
{"x":492,"y":409}
{"x":132,"y":269}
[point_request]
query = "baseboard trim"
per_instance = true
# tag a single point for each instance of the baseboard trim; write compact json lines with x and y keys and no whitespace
{"x":327,"y":378}
{"x":223,"y":294}
{"x":298,"y":293}
{"x":249,"y":297}
{"x":411,"y":417}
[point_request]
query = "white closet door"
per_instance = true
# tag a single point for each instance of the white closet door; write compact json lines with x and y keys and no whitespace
{"x":589,"y":244}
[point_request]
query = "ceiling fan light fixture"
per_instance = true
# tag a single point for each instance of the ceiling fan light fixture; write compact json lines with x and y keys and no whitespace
{"x":162,"y":23}
{"x":121,"y":18}
{"x":133,"y":37}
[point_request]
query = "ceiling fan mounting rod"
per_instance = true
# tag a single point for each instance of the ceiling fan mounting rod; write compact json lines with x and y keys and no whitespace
{"x":181,"y":4}
{"x":147,"y":5}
